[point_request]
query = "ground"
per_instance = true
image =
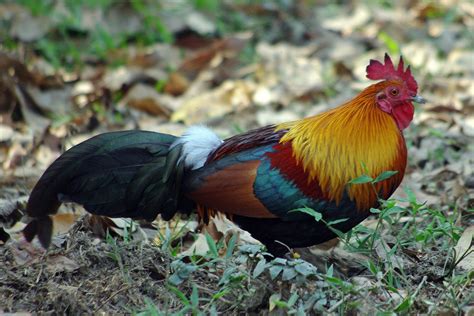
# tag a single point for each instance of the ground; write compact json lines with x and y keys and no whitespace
{"x":69,"y":71}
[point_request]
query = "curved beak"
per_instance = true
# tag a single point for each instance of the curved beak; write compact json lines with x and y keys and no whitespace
{"x":418,"y":99}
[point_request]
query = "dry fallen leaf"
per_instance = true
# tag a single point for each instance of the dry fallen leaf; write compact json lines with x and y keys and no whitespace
{"x":145,"y":98}
{"x":289,"y":71}
{"x":16,"y":154}
{"x":347,"y":24}
{"x":122,"y":224}
{"x":57,"y":101}
{"x":33,"y":115}
{"x":227,"y":228}
{"x":62,"y":223}
{"x":58,"y":264}
{"x":176,"y":84}
{"x":463,"y":246}
{"x":199,"y":247}
{"x":6,"y":133}
{"x":200,"y":60}
{"x":177,"y":227}
{"x":100,"y":225}
{"x":345,"y":261}
{"x":231,"y":96}
{"x":29,"y":28}
{"x":219,"y":226}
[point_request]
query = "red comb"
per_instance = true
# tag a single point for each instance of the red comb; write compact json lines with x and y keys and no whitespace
{"x":378,"y":71}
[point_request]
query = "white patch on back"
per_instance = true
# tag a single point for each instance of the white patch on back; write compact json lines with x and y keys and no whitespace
{"x":198,"y":142}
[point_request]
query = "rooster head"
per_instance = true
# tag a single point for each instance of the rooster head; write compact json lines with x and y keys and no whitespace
{"x":398,"y":90}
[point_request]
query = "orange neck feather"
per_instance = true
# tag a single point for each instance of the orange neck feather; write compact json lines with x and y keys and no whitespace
{"x":334,"y":147}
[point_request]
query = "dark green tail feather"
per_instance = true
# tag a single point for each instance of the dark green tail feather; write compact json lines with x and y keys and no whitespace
{"x":157,"y":184}
{"x":120,"y":174}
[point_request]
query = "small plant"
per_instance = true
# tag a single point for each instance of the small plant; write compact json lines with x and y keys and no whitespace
{"x":414,"y":226}
{"x":170,"y":241}
{"x":296,"y":269}
{"x":116,"y":255}
{"x":276,"y":301}
{"x":191,"y":304}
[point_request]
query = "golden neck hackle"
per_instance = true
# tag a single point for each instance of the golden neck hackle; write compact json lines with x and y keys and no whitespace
{"x":342,"y":144}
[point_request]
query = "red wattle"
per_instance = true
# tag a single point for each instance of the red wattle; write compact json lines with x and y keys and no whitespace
{"x":403,"y":114}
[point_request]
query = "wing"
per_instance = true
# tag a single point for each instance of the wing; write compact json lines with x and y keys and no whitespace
{"x":267,"y":135}
{"x":257,"y":177}
{"x":226,"y":185}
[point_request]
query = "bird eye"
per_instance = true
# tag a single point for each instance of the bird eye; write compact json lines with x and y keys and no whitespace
{"x":394,"y":92}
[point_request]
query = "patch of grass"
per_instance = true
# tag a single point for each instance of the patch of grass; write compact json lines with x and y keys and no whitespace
{"x":154,"y":30}
{"x":116,"y":255}
{"x":37,"y":8}
{"x":414,"y":228}
{"x":69,"y":45}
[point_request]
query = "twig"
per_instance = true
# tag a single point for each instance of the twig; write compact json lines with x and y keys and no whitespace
{"x":111,"y":297}
{"x":39,"y":274}
{"x":335,"y":306}
{"x":208,"y":291}
{"x":420,"y":285}
{"x":286,"y":246}
{"x":461,"y":290}
{"x":42,"y":262}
